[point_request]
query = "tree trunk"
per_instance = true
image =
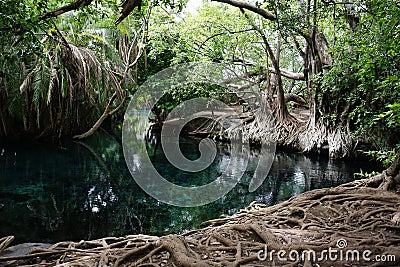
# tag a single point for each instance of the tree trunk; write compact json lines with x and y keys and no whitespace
{"x":394,"y":170}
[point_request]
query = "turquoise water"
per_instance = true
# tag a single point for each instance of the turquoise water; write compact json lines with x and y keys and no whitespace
{"x":74,"y":191}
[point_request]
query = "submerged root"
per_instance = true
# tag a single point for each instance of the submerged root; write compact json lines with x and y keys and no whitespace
{"x":342,"y":218}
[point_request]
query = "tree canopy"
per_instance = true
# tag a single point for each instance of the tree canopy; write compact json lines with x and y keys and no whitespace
{"x":68,"y":67}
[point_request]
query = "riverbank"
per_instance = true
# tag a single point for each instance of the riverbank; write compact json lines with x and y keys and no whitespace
{"x":297,"y":132}
{"x":349,"y":225}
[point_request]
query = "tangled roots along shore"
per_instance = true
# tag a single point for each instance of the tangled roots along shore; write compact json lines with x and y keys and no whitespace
{"x":348,"y":220}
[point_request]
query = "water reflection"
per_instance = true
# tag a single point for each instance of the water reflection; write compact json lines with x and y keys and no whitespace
{"x":84,"y":190}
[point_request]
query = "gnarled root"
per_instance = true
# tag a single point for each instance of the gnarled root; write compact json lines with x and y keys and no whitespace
{"x":360,"y":218}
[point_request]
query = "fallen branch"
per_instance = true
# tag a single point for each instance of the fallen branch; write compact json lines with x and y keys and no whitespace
{"x":104,"y":116}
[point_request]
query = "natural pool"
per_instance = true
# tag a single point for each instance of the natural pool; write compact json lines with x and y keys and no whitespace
{"x":83,"y":190}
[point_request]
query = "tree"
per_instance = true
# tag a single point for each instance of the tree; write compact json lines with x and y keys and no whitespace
{"x":317,"y":53}
{"x":304,"y":25}
{"x":61,"y":76}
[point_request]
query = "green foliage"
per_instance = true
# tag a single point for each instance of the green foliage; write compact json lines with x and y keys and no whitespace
{"x":386,"y":157}
{"x":392,"y":116}
{"x":48,"y":87}
{"x":218,"y":33}
{"x":366,"y":73}
{"x":180,"y":94}
{"x":363,"y":174}
{"x":20,"y":38}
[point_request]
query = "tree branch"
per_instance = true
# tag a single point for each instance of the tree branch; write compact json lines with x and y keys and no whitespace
{"x":285,"y":73}
{"x":282,"y":110}
{"x":64,"y":9}
{"x":104,"y":116}
{"x":128,"y":65}
{"x":288,"y":74}
{"x":295,"y":98}
{"x":222,"y":33}
{"x":297,"y":45}
{"x":260,"y":11}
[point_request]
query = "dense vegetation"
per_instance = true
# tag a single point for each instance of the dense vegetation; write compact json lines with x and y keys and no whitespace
{"x":69,"y":67}
{"x":326,"y":71}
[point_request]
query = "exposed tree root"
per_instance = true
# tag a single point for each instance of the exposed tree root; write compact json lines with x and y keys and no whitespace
{"x":5,"y":242}
{"x":295,"y":130}
{"x":320,"y":135}
{"x":342,"y":219}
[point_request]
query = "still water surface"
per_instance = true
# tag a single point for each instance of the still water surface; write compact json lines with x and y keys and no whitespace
{"x":75,"y":191}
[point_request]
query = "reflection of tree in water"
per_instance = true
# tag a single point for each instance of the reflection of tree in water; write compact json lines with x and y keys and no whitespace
{"x":291,"y":174}
{"x":50,"y":219}
{"x":294,"y":173}
{"x":107,"y":194}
